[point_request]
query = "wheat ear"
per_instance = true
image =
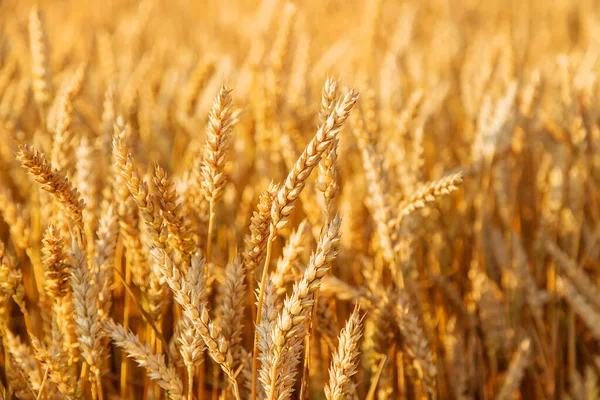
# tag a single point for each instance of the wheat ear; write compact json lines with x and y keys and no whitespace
{"x":290,"y":329}
{"x":166,"y":377}
{"x":283,"y":203}
{"x":38,"y":39}
{"x":195,"y":309}
{"x":53,"y":181}
{"x":56,"y":264}
{"x":429,"y":192}
{"x":417,"y":342}
{"x":231,"y":310}
{"x":62,"y":155}
{"x":220,"y":123}
{"x":344,"y":363}
{"x":515,"y":373}
{"x":89,"y":331}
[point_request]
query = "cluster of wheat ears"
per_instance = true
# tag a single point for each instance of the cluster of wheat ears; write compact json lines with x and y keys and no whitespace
{"x":321,"y":199}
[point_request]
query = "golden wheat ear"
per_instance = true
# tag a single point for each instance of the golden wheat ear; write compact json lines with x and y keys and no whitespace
{"x":344,"y":363}
{"x":165,"y":376}
{"x":54,"y":182}
{"x":40,"y":54}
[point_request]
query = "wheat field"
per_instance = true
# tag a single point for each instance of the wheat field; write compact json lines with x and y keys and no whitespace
{"x":285,"y":199}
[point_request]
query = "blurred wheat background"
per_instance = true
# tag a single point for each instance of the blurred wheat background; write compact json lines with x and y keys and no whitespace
{"x":299,"y":199}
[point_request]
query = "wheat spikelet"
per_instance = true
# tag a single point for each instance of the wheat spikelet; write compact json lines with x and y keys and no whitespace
{"x":410,"y":110}
{"x":328,"y":98}
{"x":87,"y":182}
{"x":378,"y":205}
{"x":123,"y":108}
{"x":186,"y":341}
{"x":271,"y":308}
{"x":108,"y":120}
{"x":15,"y":216}
{"x":328,"y":175}
{"x":138,"y":189}
{"x":491,"y":311}
{"x":11,"y":278}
